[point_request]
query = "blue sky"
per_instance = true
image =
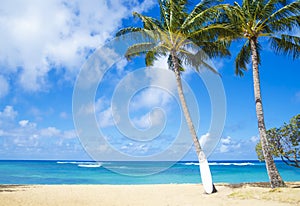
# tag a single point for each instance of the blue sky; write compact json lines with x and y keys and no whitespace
{"x":43,"y":45}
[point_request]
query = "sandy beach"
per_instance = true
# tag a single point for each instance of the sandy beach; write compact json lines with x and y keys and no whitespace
{"x":137,"y":195}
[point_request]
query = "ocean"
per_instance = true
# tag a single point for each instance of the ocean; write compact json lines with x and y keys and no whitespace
{"x":83,"y":172}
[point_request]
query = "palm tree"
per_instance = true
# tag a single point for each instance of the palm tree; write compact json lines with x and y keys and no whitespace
{"x":176,"y":35}
{"x":269,"y":19}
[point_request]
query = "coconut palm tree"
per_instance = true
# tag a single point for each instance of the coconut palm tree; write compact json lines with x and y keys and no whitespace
{"x":273,"y":20}
{"x":184,"y":38}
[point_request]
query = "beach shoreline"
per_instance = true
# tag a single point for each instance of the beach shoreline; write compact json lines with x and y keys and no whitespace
{"x":158,"y":194}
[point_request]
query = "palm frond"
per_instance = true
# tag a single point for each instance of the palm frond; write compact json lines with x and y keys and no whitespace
{"x":128,"y":30}
{"x":211,"y":33}
{"x":150,"y":58}
{"x":164,"y":17}
{"x":286,"y":23}
{"x":158,"y":50}
{"x":178,"y":12}
{"x":236,"y":18}
{"x":287,"y":45}
{"x":292,"y":9}
{"x":198,"y":60}
{"x":218,"y":48}
{"x":200,"y":14}
{"x":139,"y":49}
{"x":202,"y":27}
{"x":242,"y":59}
{"x":256,"y":12}
{"x":268,"y":9}
{"x":149,"y":22}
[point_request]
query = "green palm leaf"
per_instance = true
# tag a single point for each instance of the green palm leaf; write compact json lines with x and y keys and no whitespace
{"x":138,"y":49}
{"x":242,"y":59}
{"x":287,"y":45}
{"x":270,"y":19}
{"x":183,"y":38}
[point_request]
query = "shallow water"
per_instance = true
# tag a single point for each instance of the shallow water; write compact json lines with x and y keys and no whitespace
{"x":81,"y":172}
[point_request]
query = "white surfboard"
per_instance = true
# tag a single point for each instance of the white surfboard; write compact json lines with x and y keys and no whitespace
{"x":205,"y":174}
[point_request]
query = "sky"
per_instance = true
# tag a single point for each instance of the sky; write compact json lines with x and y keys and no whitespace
{"x":45,"y":44}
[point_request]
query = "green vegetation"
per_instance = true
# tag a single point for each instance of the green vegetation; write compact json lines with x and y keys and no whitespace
{"x":212,"y":27}
{"x":185,"y":39}
{"x":273,"y":20}
{"x":284,"y":142}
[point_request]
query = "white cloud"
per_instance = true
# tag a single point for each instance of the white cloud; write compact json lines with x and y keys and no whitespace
{"x":159,"y":94}
{"x":87,"y":109}
{"x":103,"y":112}
{"x":23,"y":123}
{"x":121,"y":65}
{"x":63,"y":115}
{"x":228,"y":145}
{"x":161,"y":63}
{"x":8,"y":113}
{"x":161,"y":87}
{"x":105,"y":118}
{"x":254,"y":139}
{"x":224,"y":148}
{"x":226,"y":140}
{"x":22,"y":131}
{"x":101,"y":104}
{"x":156,"y":117}
{"x":232,"y":145}
{"x":229,"y":148}
{"x":40,"y":35}
{"x":135,"y":148}
{"x":4,"y":87}
{"x":204,"y":139}
{"x":25,"y":139}
{"x":50,"y":132}
{"x":237,"y":146}
{"x":150,"y":98}
{"x":165,"y":80}
{"x":94,"y":107}
{"x":150,"y":107}
{"x":69,"y":134}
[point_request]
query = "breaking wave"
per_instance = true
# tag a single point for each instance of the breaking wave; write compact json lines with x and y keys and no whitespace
{"x":223,"y":163}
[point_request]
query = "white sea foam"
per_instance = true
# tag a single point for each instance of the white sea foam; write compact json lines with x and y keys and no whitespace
{"x":223,"y":163}
{"x":66,"y":162}
{"x":243,"y":164}
{"x":82,"y":164}
{"x":232,"y":163}
{"x":61,"y":162}
{"x":90,"y":165}
{"x":74,"y":162}
{"x":191,"y":163}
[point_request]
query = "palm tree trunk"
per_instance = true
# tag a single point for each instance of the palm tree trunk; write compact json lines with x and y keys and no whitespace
{"x":274,"y":176}
{"x":200,"y":154}
{"x":184,"y":106}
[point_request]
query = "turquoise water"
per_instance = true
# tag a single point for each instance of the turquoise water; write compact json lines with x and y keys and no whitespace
{"x":76,"y":172}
